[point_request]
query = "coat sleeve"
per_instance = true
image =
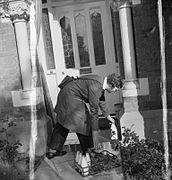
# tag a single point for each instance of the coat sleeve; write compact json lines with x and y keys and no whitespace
{"x":102,"y":105}
{"x":95,"y":92}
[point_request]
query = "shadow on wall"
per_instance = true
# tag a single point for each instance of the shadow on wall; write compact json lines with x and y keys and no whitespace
{"x":153,"y":121}
{"x":6,"y":104}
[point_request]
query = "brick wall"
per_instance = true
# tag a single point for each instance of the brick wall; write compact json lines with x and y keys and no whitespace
{"x":148,"y":61}
{"x":147,"y":41}
{"x":146,"y":30}
{"x":168,"y":39}
{"x":146,"y":36}
{"x":10,"y":76}
{"x":9,"y":67}
{"x":147,"y":49}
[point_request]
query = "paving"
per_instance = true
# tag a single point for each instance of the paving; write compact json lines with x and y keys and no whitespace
{"x":62,"y":168}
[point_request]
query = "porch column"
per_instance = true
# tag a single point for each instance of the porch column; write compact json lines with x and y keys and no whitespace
{"x":131,"y":117}
{"x":19,"y":14}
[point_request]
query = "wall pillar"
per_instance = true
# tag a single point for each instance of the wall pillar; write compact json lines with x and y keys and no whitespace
{"x":131,"y":117}
{"x":19,"y":14}
{"x":23,"y":52}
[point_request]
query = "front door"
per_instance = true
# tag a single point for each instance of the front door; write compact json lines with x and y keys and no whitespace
{"x":83,"y":42}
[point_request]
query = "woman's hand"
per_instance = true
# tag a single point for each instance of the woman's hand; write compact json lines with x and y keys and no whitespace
{"x":111,"y":119}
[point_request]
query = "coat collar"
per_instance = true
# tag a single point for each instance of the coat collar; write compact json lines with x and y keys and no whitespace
{"x":94,"y":77}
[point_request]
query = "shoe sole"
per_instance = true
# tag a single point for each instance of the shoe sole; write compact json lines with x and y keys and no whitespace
{"x":55,"y":154}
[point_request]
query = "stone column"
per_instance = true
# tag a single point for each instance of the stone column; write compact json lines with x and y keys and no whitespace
{"x":19,"y":14}
{"x":131,"y":117}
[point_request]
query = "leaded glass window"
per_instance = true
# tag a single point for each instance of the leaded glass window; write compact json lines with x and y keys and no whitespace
{"x":67,"y":42}
{"x":81,"y":33}
{"x":97,"y":34}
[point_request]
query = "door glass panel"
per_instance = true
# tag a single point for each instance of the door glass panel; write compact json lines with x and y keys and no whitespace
{"x":50,"y":63}
{"x":96,"y":23}
{"x":81,"y":33}
{"x":67,"y":42}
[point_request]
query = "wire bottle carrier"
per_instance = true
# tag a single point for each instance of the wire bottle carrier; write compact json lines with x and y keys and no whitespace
{"x":102,"y":161}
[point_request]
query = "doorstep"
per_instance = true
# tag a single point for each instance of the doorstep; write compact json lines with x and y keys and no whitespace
{"x":62,"y":168}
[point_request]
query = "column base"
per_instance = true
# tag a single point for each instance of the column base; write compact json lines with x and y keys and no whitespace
{"x":134,"y":121}
{"x":132,"y":118}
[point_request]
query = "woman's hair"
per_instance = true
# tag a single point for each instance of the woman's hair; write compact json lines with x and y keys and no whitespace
{"x":114,"y":80}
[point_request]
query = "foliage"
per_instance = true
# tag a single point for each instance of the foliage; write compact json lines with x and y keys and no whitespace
{"x":8,"y":149}
{"x":13,"y":165}
{"x":141,"y":159}
{"x":9,"y":154}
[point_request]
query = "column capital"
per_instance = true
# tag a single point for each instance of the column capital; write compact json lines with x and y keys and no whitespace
{"x":15,"y":9}
{"x":118,"y":4}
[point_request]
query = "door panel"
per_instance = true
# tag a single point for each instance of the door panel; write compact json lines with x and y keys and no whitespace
{"x":63,"y":52}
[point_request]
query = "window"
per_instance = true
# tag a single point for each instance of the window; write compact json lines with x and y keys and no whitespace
{"x":98,"y":43}
{"x":67,"y":42}
{"x":81,"y":33}
{"x":50,"y":63}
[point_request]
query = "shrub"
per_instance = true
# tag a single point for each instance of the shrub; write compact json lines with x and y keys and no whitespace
{"x":13,"y":165}
{"x":9,"y":154}
{"x":141,"y":159}
{"x":8,"y":149}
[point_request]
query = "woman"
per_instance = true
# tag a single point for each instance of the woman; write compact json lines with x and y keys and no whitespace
{"x":73,"y":114}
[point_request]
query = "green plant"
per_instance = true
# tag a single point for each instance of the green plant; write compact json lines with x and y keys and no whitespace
{"x":9,"y":154}
{"x":141,"y":159}
{"x":8,"y":149}
{"x":13,"y":165}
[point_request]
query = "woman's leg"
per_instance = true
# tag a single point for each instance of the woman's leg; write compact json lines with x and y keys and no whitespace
{"x":57,"y":141}
{"x":58,"y":137}
{"x":86,"y":142}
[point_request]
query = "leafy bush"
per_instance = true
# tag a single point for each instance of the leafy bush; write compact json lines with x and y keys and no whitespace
{"x":13,"y":165}
{"x":141,"y":159}
{"x":9,"y":154}
{"x":8,"y":149}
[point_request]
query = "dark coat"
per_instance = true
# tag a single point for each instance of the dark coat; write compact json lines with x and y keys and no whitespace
{"x":71,"y":108}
